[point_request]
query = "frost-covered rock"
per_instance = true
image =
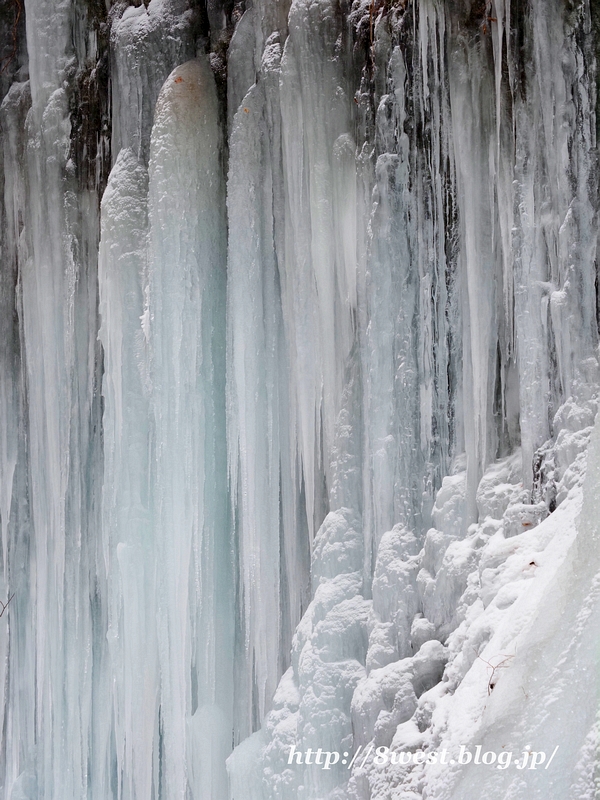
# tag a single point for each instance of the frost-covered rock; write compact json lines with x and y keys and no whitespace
{"x":338,"y":547}
{"x":395,"y":599}
{"x":499,"y":487}
{"x":521,"y":516}
{"x":388,"y":696}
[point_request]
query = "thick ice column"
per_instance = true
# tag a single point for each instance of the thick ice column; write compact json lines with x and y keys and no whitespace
{"x":563,"y":114}
{"x":48,"y":44}
{"x":554,"y":238}
{"x":392,"y":297}
{"x":257,"y":392}
{"x":186,"y":329}
{"x":392,"y":377}
{"x":292,"y":301}
{"x":472,"y":101}
{"x":12,"y":111}
{"x":262,"y":19}
{"x":413,"y":330}
{"x":241,"y":69}
{"x":147,"y":41}
{"x":317,"y":285}
{"x":17,"y":656}
{"x":58,"y":286}
{"x":273,"y":542}
{"x":48,"y":344}
{"x":129,"y":547}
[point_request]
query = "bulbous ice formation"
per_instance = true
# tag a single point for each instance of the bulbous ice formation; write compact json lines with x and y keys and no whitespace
{"x":165,"y":521}
{"x":185,"y":318}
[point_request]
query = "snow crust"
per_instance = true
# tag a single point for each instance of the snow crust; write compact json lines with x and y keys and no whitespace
{"x":482,"y":662}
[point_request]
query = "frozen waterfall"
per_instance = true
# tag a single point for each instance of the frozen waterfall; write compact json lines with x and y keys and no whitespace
{"x":299,"y":318}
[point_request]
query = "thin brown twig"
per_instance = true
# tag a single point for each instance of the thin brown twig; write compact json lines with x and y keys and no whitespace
{"x":492,"y":682}
{"x":5,"y":605}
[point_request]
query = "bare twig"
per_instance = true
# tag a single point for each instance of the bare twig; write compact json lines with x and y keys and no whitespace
{"x":4,"y":606}
{"x":494,"y":667}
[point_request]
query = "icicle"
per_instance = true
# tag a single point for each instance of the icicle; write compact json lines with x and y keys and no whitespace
{"x":148,"y":40}
{"x":186,"y":308}
{"x":126,"y":517}
{"x":318,"y":317}
{"x":258,"y":431}
{"x":53,"y":652}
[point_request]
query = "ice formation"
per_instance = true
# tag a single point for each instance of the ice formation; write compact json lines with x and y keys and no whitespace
{"x":298,"y":387}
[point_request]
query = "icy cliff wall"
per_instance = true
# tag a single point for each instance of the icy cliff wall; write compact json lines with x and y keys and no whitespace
{"x":298,"y":372}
